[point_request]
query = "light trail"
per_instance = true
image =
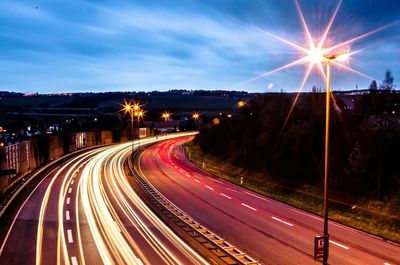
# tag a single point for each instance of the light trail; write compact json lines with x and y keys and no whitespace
{"x":103,"y":193}
{"x":102,"y":187}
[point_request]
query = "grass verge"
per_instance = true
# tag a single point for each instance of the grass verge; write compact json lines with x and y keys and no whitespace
{"x":307,"y":198}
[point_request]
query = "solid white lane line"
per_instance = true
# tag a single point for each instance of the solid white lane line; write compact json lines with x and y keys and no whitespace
{"x":216,"y":180}
{"x":208,"y":187}
{"x":69,"y":190}
{"x":234,"y":190}
{"x":306,"y":214}
{"x":279,"y":220}
{"x":226,"y":196}
{"x":74,"y":261}
{"x":72,"y":182}
{"x":187,"y":175}
{"x":197,"y":180}
{"x":257,"y":196}
{"x":248,"y":206}
{"x":69,"y":234}
{"x":337,"y":244}
{"x":67,"y":216}
{"x":68,"y":200}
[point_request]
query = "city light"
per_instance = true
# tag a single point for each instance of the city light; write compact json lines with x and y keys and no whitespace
{"x":196,"y":116}
{"x":166,"y":115}
{"x":241,"y":104}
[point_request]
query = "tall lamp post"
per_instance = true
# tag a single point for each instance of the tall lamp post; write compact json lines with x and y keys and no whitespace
{"x":134,"y":110}
{"x":335,"y":57}
{"x":139,"y":114}
{"x":129,"y":109}
{"x":195,"y":117}
{"x":166,"y":115}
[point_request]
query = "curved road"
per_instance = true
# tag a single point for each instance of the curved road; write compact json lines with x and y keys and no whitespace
{"x":268,"y":230}
{"x":85,"y":212}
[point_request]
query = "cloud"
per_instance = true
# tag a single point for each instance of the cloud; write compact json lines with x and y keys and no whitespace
{"x":82,"y":45}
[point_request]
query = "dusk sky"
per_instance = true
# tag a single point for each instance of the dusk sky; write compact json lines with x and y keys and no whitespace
{"x":76,"y":46}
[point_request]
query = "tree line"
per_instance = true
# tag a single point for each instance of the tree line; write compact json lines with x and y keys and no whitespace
{"x":363,"y":160}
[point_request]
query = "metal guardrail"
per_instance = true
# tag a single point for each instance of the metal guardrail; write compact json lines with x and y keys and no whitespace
{"x":222,"y":252}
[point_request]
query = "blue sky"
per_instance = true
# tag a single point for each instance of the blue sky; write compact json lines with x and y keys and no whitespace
{"x":73,"y":46}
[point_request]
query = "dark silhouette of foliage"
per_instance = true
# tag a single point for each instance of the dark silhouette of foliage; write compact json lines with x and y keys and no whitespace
{"x":363,"y":160}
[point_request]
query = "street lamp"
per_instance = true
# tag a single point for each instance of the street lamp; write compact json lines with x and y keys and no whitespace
{"x":128,"y":108}
{"x":196,"y":116}
{"x":139,"y":113}
{"x":335,"y":57}
{"x":241,"y":103}
{"x":166,"y":115}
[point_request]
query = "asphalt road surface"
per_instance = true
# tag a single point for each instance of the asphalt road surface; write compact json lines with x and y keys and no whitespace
{"x":267,"y":230}
{"x":86,"y":212}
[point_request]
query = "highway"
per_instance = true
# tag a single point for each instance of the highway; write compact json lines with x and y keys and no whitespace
{"x":85,"y":212}
{"x":268,"y":230}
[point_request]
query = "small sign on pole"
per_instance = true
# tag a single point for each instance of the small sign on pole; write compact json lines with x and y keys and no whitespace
{"x":319,"y":247}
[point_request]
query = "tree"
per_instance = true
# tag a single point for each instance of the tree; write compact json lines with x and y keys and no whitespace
{"x":387,"y":83}
{"x":373,"y":86}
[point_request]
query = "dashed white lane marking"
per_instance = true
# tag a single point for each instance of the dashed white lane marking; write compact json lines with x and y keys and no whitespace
{"x":68,"y":200}
{"x":74,"y":261}
{"x":72,"y":182}
{"x":208,"y":187}
{"x":226,"y":196}
{"x":386,"y":263}
{"x":67,"y":216}
{"x":69,"y":234}
{"x":339,"y":245}
{"x":257,"y":196}
{"x":216,"y":180}
{"x":69,"y":190}
{"x":306,"y":214}
{"x":197,"y":180}
{"x":280,"y":220}
{"x":248,"y":206}
{"x":180,"y":170}
{"x":187,"y":175}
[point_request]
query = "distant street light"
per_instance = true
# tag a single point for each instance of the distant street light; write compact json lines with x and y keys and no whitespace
{"x":196,"y":116}
{"x":336,"y":57}
{"x":127,"y":107}
{"x":134,"y":110}
{"x":139,"y":113}
{"x":166,"y":115}
{"x":241,"y":103}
